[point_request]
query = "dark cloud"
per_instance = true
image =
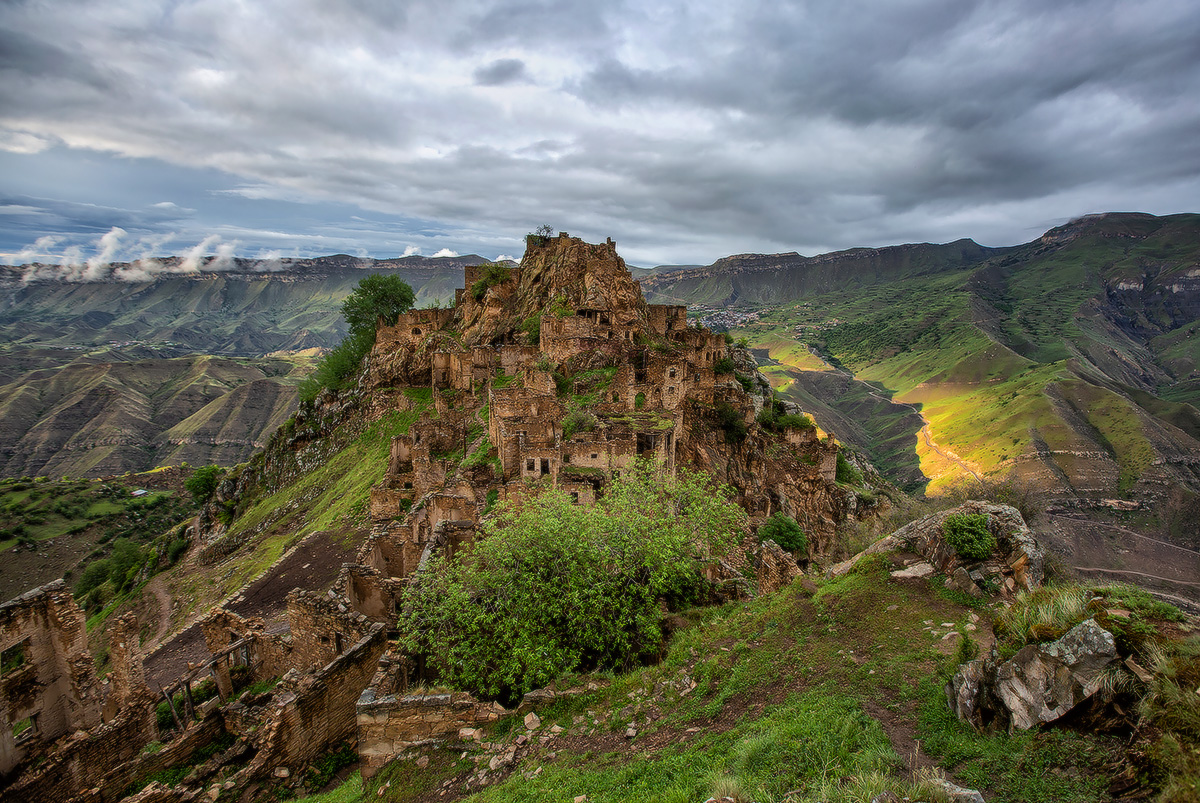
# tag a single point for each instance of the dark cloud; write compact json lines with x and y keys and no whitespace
{"x":500,"y":72}
{"x":684,"y":130}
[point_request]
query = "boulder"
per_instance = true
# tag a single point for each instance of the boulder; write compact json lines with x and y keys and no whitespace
{"x":1016,"y":564}
{"x":1040,"y":684}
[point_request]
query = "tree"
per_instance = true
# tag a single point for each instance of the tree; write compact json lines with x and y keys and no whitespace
{"x":377,"y":297}
{"x":555,"y":587}
{"x":203,"y":482}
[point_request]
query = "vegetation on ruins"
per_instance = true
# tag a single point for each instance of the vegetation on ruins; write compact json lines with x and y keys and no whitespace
{"x":539,"y":236}
{"x":377,"y":299}
{"x":555,"y":587}
{"x":774,"y":418}
{"x":494,"y":273}
{"x":783,"y":530}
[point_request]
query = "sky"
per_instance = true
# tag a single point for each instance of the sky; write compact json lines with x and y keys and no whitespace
{"x":686,"y":131}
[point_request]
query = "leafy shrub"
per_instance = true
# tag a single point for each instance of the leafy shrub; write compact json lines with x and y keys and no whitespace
{"x":784,"y":530}
{"x":494,"y":273}
{"x":176,"y":549}
{"x":377,"y":298}
{"x":846,"y":472}
{"x":203,"y":482}
{"x":533,"y":328}
{"x":94,"y":575}
{"x":337,"y":368}
{"x":723,"y":365}
{"x":639,"y":401}
{"x":969,"y":535}
{"x":577,"y":421}
{"x":555,"y":587}
{"x":730,"y":420}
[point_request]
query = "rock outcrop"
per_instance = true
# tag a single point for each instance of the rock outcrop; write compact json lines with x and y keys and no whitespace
{"x":1038,"y":685}
{"x":1015,"y":565}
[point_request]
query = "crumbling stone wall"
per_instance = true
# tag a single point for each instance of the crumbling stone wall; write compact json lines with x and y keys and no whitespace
{"x":412,"y":328}
{"x":48,"y":682}
{"x":369,"y":592}
{"x":265,"y":654}
{"x":314,"y":711}
{"x":322,"y":628}
{"x":390,"y":721}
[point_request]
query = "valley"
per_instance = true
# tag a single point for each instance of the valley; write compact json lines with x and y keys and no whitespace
{"x":889,"y":385}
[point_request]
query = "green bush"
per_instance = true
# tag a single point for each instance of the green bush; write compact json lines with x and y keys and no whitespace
{"x":494,"y":273}
{"x":784,"y":530}
{"x":176,"y":549}
{"x":539,"y":237}
{"x":377,"y":298}
{"x":969,"y":535}
{"x":723,"y":365}
{"x":203,"y":482}
{"x":730,"y":420}
{"x":555,"y":587}
{"x":846,"y":472}
{"x":578,"y":421}
{"x":95,"y":574}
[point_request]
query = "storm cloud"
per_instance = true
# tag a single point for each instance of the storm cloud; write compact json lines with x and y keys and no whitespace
{"x":686,"y":131}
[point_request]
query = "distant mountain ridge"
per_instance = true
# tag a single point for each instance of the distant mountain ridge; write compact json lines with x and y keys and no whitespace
{"x":771,"y":278}
{"x":255,"y":307}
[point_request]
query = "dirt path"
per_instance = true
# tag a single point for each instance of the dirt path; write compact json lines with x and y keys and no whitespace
{"x":312,"y":564}
{"x":951,"y":456}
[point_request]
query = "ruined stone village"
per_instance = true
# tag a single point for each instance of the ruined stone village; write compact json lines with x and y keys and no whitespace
{"x":568,"y":323}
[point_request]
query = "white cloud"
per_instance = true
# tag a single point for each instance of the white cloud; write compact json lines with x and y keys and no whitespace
{"x":445,"y":252}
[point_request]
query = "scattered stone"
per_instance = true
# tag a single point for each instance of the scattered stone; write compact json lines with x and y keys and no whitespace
{"x":630,"y":733}
{"x":1138,"y":670}
{"x":423,"y":762}
{"x":958,"y":794}
{"x":1041,"y":683}
{"x":282,"y":772}
{"x":916,"y":571}
{"x":532,"y":721}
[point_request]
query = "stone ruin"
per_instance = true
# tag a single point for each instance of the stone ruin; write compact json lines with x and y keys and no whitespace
{"x":553,"y":373}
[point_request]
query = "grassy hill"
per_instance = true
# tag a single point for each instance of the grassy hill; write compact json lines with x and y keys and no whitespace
{"x":1068,"y":359}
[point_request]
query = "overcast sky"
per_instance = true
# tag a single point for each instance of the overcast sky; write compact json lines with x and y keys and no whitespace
{"x":686,"y":131}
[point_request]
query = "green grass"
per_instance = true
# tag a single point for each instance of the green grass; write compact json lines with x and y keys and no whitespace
{"x":783,"y":689}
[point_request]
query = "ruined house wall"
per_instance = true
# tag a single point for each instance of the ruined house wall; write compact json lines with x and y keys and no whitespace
{"x":84,"y":757}
{"x":666,"y":318}
{"x":412,"y":328}
{"x":390,"y":722}
{"x":53,"y":684}
{"x":270,"y":655}
{"x":563,"y":338}
{"x":118,"y":778}
{"x":322,"y":628}
{"x":316,"y":711}
{"x":369,"y":592}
